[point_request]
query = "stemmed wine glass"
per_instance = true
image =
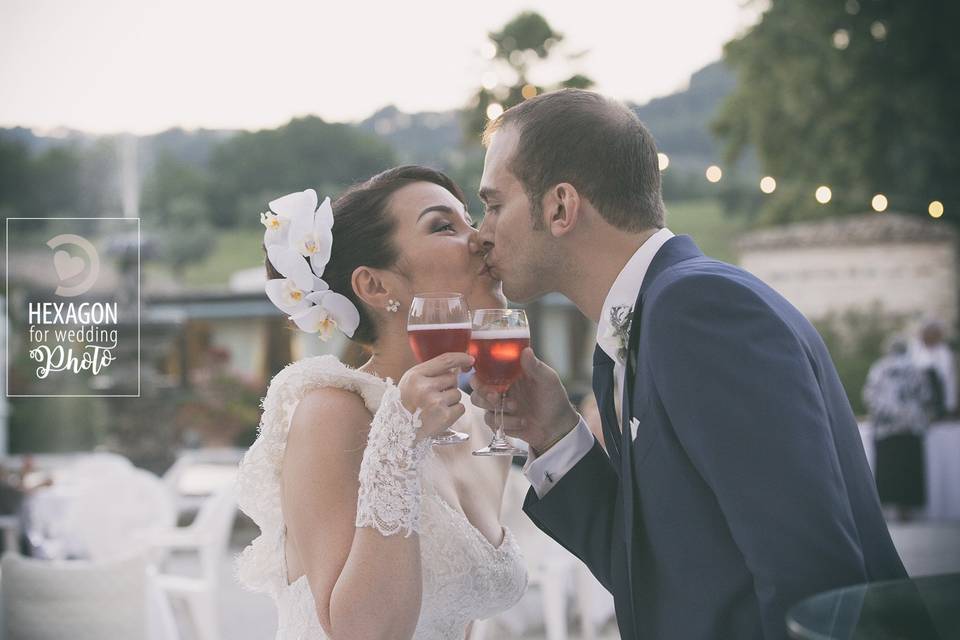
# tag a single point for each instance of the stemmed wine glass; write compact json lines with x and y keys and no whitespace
{"x":499,"y":337}
{"x":439,"y":323}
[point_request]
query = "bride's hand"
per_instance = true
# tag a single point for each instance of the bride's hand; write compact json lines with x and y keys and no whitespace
{"x":432,"y":388}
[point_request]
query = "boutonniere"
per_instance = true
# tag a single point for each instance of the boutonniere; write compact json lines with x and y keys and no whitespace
{"x":620,"y":319}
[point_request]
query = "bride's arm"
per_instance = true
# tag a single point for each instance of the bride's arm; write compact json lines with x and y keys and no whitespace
{"x":365,"y":584}
{"x":357,"y":539}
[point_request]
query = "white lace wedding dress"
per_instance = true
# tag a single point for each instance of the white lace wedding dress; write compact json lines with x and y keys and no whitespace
{"x":465,"y":577}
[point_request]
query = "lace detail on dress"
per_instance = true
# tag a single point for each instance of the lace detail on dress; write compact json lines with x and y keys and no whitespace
{"x":389,"y":496}
{"x":464,"y":576}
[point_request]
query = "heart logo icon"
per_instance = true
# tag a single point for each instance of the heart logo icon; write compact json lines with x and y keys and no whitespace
{"x":67,"y":266}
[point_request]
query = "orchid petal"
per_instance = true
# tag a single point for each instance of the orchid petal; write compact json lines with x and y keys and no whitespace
{"x":294,"y":205}
{"x":325,"y":214}
{"x":316,"y":297}
{"x":319,"y":284}
{"x":282,"y":292}
{"x":316,"y":319}
{"x":323,"y":239}
{"x":276,"y":236}
{"x":310,"y":319}
{"x":292,"y":265}
{"x":302,"y":235}
{"x":343,"y":311}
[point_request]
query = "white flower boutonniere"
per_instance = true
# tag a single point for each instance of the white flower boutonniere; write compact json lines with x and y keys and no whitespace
{"x":620,"y":318}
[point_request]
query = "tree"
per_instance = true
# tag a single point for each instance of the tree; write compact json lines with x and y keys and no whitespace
{"x":188,"y":236}
{"x":860,"y":96}
{"x":169,"y":180}
{"x":250,"y":169}
{"x":524,"y":42}
{"x":54,"y":183}
{"x":14,"y":169}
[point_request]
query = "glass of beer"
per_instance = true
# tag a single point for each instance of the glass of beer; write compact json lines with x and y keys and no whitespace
{"x":439,"y":323}
{"x":499,"y":336}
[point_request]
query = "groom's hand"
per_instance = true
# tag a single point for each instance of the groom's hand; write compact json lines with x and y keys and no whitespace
{"x":537,"y":409}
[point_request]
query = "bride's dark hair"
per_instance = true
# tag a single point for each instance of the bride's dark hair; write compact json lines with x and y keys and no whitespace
{"x":363,"y":234}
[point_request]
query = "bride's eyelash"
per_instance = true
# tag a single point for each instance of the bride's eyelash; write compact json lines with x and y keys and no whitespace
{"x":443,"y":227}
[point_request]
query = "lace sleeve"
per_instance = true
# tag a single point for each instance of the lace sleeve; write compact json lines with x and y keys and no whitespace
{"x":390,"y":488}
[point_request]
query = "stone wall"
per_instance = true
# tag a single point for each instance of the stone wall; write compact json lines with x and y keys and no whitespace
{"x":907,"y":279}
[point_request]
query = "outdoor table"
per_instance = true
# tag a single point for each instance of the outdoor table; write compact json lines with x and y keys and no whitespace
{"x":926,"y":608}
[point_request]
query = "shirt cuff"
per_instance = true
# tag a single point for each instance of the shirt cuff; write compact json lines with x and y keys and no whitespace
{"x":546,"y":470}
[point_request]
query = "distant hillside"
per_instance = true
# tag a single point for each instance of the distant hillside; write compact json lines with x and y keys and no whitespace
{"x":679,"y":122}
{"x":430,"y":138}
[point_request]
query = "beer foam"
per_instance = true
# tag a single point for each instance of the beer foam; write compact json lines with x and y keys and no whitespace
{"x":439,"y":327}
{"x":501,"y":334}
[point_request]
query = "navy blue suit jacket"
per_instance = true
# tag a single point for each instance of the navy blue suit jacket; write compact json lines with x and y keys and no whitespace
{"x":746,"y":488}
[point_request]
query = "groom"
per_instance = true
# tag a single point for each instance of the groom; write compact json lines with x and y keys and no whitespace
{"x":734,"y":482}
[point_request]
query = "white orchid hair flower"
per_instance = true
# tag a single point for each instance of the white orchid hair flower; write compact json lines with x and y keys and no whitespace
{"x":298,"y":231}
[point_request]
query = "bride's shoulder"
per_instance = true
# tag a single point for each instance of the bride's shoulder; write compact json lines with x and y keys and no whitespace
{"x":307,"y":375}
{"x":334,"y":415}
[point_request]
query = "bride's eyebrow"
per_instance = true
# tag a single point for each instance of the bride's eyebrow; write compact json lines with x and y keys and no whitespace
{"x":438,"y":207}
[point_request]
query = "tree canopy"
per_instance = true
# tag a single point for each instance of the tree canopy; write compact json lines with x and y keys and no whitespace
{"x":860,"y":96}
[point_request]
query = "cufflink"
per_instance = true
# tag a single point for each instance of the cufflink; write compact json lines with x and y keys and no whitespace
{"x":549,"y":477}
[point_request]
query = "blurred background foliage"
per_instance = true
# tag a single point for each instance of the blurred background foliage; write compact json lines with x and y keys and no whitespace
{"x":861,"y":95}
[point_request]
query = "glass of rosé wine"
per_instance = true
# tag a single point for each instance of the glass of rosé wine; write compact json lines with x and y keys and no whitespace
{"x":439,"y":323}
{"x":499,"y":337}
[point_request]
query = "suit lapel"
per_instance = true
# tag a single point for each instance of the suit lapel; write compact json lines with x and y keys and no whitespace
{"x":675,"y":250}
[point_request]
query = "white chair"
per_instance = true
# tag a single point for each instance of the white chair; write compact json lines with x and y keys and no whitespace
{"x":197,"y":473}
{"x":10,"y":524}
{"x":207,"y":536}
{"x":553,"y":571}
{"x":99,"y":510}
{"x":81,"y":600}
{"x":112,"y":515}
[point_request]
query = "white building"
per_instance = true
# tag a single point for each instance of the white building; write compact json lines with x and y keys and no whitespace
{"x":906,"y":264}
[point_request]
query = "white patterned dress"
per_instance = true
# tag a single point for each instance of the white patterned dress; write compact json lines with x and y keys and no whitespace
{"x":465,"y":577}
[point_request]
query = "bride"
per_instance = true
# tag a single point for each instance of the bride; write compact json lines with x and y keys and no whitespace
{"x":368,"y":531}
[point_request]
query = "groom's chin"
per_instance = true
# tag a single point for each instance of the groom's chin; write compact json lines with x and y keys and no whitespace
{"x":520,"y":295}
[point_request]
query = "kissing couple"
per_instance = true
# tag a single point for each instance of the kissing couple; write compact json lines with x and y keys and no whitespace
{"x":733,"y":482}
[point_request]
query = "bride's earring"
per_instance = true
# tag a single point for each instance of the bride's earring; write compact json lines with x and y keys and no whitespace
{"x":393,"y":305}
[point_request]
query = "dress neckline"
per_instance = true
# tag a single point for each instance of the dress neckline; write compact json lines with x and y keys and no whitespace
{"x":504,"y":531}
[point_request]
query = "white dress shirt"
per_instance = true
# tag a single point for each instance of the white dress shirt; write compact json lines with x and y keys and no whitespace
{"x":546,"y":470}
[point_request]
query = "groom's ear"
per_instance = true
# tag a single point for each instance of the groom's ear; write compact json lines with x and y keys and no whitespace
{"x":561,"y":209}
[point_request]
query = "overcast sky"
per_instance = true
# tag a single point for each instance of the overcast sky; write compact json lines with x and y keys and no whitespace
{"x":131,"y":65}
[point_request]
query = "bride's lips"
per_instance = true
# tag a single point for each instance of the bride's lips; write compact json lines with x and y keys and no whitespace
{"x":487,"y":270}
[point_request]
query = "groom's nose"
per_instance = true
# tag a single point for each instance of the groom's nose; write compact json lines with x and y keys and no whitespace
{"x":476,"y":245}
{"x":484,"y":236}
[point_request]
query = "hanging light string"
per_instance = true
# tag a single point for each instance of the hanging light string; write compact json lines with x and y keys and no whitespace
{"x":824,"y":193}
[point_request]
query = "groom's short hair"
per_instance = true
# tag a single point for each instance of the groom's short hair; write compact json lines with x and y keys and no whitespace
{"x":596,"y":144}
